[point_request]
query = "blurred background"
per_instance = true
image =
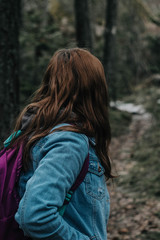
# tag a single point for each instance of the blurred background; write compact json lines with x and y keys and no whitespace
{"x":125,"y":36}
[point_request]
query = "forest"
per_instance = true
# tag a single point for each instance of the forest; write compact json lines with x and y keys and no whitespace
{"x":125,"y":36}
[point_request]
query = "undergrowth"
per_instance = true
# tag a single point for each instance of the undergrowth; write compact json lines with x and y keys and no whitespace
{"x":120,"y":122}
{"x":151,"y":235}
{"x":144,"y":177}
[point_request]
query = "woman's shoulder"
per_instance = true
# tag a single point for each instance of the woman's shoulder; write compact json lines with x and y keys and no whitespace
{"x":65,"y":135}
{"x":64,"y":138}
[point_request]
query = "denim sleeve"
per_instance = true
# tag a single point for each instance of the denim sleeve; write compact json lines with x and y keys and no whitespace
{"x":63,"y":157}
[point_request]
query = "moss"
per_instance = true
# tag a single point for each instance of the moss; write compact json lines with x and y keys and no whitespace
{"x":150,"y":235}
{"x":144,"y":177}
{"x":120,"y":122}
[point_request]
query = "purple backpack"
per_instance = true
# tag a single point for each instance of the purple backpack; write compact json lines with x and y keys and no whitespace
{"x":10,"y":168}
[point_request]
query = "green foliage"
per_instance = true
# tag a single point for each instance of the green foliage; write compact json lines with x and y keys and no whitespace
{"x":152,"y":102}
{"x":134,"y":57}
{"x":119,"y":122}
{"x":150,"y":235}
{"x":154,"y":53}
{"x":130,"y":46}
{"x":60,"y":9}
{"x":49,"y":25}
{"x":144,"y":178}
{"x":40,"y":37}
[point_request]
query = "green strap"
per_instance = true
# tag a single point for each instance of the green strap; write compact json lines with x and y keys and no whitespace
{"x":62,"y":209}
{"x":68,"y":197}
{"x":13,"y":135}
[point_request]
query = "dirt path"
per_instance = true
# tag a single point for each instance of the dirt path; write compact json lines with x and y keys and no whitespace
{"x":131,"y":218}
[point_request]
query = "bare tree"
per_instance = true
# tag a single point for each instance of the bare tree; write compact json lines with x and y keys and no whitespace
{"x":9,"y":64}
{"x":109,"y":42}
{"x":83,"y":28}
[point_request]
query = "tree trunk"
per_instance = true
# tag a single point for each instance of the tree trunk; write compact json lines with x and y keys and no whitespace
{"x":109,"y":43}
{"x":83,"y":28}
{"x":9,"y":64}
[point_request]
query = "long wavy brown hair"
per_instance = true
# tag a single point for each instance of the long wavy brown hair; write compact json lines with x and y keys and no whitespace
{"x":74,"y":91}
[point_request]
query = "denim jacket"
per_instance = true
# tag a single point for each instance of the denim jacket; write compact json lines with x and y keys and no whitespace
{"x":56,"y":162}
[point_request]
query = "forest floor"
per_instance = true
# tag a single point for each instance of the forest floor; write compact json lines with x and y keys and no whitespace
{"x":132,"y":216}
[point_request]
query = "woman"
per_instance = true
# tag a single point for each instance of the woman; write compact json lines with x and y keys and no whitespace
{"x":67,"y":119}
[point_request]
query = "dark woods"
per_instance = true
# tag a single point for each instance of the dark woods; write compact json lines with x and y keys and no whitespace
{"x":9,"y":64}
{"x":122,"y":34}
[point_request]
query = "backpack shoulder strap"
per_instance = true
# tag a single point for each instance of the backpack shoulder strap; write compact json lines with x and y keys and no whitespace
{"x":78,"y":181}
{"x":13,"y":135}
{"x":81,"y":175}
